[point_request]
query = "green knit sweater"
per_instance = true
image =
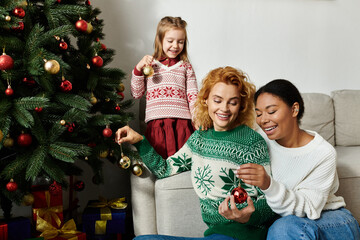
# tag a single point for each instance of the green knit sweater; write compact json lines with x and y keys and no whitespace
{"x":213,"y":158}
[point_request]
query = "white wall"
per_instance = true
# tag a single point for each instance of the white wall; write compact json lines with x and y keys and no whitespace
{"x":313,"y":43}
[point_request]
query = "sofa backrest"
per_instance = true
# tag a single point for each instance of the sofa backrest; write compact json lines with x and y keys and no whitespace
{"x":319,"y":115}
{"x":347,"y":117}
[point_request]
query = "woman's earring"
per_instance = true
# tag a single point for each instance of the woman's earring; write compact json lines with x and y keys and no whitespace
{"x":296,"y":110}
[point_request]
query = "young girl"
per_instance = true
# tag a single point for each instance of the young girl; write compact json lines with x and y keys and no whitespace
{"x":170,"y":91}
{"x":225,"y":107}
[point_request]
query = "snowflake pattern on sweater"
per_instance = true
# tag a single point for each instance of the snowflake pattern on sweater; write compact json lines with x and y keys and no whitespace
{"x":213,"y":158}
{"x":170,"y":92}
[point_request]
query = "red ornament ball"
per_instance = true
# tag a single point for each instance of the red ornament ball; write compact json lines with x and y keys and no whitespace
{"x":19,"y":27}
{"x":121,"y":94}
{"x":9,"y":91}
{"x":55,"y":188}
{"x":107,"y":132}
{"x":63,"y":45}
{"x":240,"y":194}
{"x":79,"y":186}
{"x":11,"y":186}
{"x":6,"y":62}
{"x":38,"y":109}
{"x":66,"y":86}
{"x":117,"y":108}
{"x":19,"y":12}
{"x":103,"y":47}
{"x":97,"y":61}
{"x":58,"y":1}
{"x":81,"y":25}
{"x":87,"y":2}
{"x":24,"y":140}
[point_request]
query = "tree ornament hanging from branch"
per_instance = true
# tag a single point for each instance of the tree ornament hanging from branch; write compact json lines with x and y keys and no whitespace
{"x":6,"y":62}
{"x":66,"y":85}
{"x":24,"y":140}
{"x":9,"y":91}
{"x":81,"y":25}
{"x":107,"y":132}
{"x":51,"y":66}
{"x":97,"y":61}
{"x":19,"y":12}
{"x":11,"y":186}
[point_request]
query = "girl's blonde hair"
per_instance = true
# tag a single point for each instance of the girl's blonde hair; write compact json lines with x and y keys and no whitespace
{"x":228,"y":75}
{"x":165,"y":24}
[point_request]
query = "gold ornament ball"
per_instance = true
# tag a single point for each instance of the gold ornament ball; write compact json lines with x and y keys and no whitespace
{"x":8,"y":142}
{"x":93,"y":100}
{"x":104,"y":153}
{"x":28,"y":199}
{"x":7,"y":18}
{"x":148,"y":71}
{"x":86,"y":159}
{"x":62,"y":122}
{"x":23,"y":4}
{"x":137,"y":169}
{"x":89,"y":28}
{"x":124,"y":162}
{"x":52,"y":66}
{"x":121,"y":87}
{"x":1,"y":135}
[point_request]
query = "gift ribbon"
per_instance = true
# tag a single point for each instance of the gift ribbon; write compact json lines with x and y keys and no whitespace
{"x":104,"y":205}
{"x":68,"y":230}
{"x":100,"y":227}
{"x":105,"y":212}
{"x":49,"y":213}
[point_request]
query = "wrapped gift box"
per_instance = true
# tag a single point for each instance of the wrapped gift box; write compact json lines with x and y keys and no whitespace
{"x":78,"y":236}
{"x":102,"y":217}
{"x":49,"y":206}
{"x":18,"y":228}
{"x":114,"y":236}
{"x":67,"y":231}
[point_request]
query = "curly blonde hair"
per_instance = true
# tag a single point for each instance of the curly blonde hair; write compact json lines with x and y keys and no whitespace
{"x":167,"y":23}
{"x":228,"y":75}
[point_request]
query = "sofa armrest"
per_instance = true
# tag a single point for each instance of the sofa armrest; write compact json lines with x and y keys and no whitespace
{"x":143,"y":203}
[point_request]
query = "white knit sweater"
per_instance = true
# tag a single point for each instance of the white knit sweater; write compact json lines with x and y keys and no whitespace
{"x":170,"y":92}
{"x":304,"y":179}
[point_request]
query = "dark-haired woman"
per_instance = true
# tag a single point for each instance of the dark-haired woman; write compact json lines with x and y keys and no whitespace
{"x":304,"y":178}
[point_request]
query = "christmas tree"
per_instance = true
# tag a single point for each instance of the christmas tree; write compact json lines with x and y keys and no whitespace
{"x":58,"y":102}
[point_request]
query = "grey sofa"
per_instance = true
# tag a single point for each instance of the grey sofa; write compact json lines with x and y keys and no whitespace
{"x":170,"y":206}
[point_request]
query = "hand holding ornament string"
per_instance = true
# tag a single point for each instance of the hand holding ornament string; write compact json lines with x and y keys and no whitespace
{"x":254,"y":174}
{"x":145,"y":65}
{"x":127,"y":134}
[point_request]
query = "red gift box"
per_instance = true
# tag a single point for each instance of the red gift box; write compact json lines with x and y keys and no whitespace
{"x":78,"y":236}
{"x":3,"y":231}
{"x":48,"y":206}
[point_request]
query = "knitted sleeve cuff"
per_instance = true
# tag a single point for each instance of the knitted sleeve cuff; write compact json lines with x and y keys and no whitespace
{"x":143,"y":146}
{"x":273,"y":189}
{"x":137,"y":72}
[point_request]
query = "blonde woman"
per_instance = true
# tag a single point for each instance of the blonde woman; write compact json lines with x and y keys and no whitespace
{"x":225,"y":108}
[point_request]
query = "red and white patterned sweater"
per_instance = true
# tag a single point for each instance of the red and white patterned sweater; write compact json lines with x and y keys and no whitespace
{"x":170,"y":92}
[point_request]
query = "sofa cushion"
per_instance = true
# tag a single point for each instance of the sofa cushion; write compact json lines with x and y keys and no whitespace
{"x":319,"y":115}
{"x":178,"y":207}
{"x":347,"y":117}
{"x":348,"y":164}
